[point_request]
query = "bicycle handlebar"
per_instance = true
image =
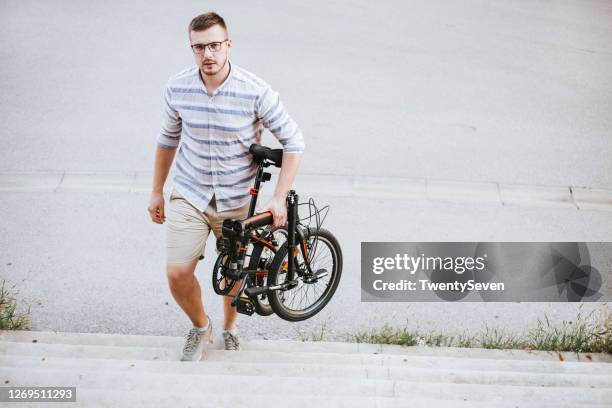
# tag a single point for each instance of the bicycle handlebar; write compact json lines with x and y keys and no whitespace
{"x":258,"y":220}
{"x":236,"y":228}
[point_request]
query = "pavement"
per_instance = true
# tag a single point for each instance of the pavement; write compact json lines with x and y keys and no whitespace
{"x":441,"y":103}
{"x":99,"y":266}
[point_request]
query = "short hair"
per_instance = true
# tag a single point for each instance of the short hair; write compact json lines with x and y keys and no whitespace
{"x":205,"y":21}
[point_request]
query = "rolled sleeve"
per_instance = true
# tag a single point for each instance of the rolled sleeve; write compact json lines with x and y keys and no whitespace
{"x":170,"y":133}
{"x":276,"y":119}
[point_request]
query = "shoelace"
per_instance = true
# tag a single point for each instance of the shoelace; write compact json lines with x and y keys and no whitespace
{"x":193,"y":337}
{"x":231,"y":342}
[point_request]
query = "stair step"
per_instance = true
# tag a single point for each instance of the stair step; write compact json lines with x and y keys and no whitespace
{"x":263,"y":385}
{"x":88,"y":397}
{"x":133,"y":370}
{"x":297,"y":347}
{"x":267,"y":357}
{"x":440,"y":375}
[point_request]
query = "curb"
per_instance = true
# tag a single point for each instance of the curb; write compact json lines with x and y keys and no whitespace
{"x":426,"y":190}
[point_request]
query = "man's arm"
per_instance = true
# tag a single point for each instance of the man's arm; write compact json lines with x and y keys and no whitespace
{"x":163,"y":161}
{"x":288,"y":171}
{"x":276,"y":118}
{"x":167,"y":142}
{"x":277,"y":204}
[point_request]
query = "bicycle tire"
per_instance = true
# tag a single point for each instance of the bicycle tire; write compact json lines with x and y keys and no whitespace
{"x":277,"y":270}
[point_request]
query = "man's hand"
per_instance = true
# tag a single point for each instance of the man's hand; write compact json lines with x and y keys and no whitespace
{"x":156,"y":207}
{"x":278,"y":204}
{"x":278,"y":207}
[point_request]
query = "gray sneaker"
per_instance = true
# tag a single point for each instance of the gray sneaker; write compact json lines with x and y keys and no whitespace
{"x":196,"y":343}
{"x":232,"y":341}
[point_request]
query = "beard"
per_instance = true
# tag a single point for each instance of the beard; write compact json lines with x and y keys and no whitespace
{"x":212,"y":71}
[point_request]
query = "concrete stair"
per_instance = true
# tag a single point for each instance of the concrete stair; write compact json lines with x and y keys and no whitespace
{"x":132,"y":370}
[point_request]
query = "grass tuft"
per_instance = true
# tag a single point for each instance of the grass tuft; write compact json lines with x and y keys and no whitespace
{"x":10,"y":319}
{"x":587,"y":334}
{"x":387,"y":335}
{"x":590,"y":333}
{"x":494,"y":338}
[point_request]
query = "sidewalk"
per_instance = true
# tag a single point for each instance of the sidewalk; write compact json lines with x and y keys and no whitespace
{"x":94,"y":262}
{"x":436,"y":121}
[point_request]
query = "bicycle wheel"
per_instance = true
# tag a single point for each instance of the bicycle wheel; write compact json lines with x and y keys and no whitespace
{"x":261,"y":258}
{"x":311,"y":294}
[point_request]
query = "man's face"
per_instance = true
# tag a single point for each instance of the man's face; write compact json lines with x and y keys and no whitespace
{"x":210,"y":62}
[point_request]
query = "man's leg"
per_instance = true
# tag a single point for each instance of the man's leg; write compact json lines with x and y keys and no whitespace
{"x":186,"y":291}
{"x":230,"y":313}
{"x":187,"y":231}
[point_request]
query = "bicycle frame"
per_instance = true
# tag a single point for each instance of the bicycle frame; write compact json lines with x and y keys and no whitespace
{"x":239,"y":233}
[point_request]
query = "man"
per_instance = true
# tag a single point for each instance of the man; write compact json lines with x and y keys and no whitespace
{"x":217,"y":110}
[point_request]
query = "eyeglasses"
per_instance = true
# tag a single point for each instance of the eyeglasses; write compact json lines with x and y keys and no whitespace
{"x":213,"y":47}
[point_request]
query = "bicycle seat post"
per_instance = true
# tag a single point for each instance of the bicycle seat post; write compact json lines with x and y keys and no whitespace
{"x":260,"y":177}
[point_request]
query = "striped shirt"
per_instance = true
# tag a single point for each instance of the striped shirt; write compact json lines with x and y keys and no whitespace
{"x":217,"y":130}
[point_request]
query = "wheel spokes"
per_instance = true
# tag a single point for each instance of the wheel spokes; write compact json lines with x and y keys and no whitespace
{"x":306,"y":295}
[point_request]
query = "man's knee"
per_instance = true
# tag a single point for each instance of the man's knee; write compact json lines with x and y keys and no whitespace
{"x":179,"y":273}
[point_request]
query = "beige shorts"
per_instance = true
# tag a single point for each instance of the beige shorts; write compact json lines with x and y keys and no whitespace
{"x":188,"y":228}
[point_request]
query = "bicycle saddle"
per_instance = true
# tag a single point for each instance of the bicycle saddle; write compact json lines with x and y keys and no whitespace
{"x":261,"y":153}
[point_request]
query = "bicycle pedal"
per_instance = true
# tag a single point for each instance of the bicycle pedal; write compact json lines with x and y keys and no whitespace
{"x":245,"y":306}
{"x":254,"y":291}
